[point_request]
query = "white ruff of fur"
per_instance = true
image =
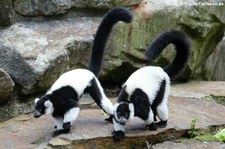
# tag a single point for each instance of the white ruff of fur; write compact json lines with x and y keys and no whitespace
{"x":49,"y":107}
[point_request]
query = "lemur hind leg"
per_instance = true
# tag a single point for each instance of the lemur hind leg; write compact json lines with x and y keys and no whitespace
{"x":96,"y":92}
{"x":162,"y":112}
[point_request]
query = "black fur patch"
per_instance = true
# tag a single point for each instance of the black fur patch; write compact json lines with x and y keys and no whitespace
{"x":123,"y":95}
{"x":141,"y":104}
{"x":94,"y":92}
{"x":159,"y":97}
{"x":182,"y":45}
{"x":66,"y":129}
{"x":123,"y":110}
{"x":63,"y":99}
{"x":110,"y":19}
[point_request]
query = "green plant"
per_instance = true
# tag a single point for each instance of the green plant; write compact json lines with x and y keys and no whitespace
{"x":193,"y":131}
{"x":220,"y":135}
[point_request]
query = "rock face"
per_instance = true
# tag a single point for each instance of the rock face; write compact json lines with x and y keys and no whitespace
{"x":42,"y":51}
{"x":213,"y":68}
{"x":128,"y":43}
{"x":12,"y":62}
{"x":6,"y":86}
{"x":54,"y":7}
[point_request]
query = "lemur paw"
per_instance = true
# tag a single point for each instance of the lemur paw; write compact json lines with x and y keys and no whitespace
{"x":152,"y":126}
{"x":162,"y":124}
{"x":118,"y":135}
{"x":55,"y":133}
{"x":109,"y":119}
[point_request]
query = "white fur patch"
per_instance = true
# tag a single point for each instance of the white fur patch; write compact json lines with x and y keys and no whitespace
{"x":105,"y":102}
{"x":36,"y":100}
{"x":59,"y":123}
{"x":131,"y":108}
{"x":162,"y":111}
{"x":115,"y":107}
{"x":148,"y":80}
{"x":71,"y":115}
{"x":78,"y":79}
{"x":49,"y":107}
{"x":150,"y":118}
{"x":118,"y":127}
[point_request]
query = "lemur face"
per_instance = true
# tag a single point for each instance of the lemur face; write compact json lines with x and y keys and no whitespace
{"x":122,"y":113}
{"x":42,"y":106}
{"x":39,"y":107}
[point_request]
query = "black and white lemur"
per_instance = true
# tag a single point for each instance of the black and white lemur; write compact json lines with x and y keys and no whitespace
{"x":145,"y":93}
{"x":61,"y":100}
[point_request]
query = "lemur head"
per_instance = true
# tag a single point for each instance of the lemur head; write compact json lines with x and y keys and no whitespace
{"x":42,"y":106}
{"x":123,"y":112}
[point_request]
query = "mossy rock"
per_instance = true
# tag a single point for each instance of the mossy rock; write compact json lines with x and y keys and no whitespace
{"x":128,"y":43}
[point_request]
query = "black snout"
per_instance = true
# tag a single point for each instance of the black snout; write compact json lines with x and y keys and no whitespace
{"x":37,"y":114}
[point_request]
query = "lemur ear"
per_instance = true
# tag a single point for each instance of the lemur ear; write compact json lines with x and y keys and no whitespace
{"x":48,"y":104}
{"x":36,"y":100}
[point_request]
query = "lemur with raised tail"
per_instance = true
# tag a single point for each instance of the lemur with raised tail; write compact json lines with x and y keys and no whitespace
{"x":145,"y":93}
{"x":61,"y":100}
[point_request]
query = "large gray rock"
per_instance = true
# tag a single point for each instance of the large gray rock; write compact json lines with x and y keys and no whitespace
{"x":36,"y":53}
{"x":213,"y":69}
{"x":6,"y":85}
{"x":12,"y":62}
{"x":54,"y":7}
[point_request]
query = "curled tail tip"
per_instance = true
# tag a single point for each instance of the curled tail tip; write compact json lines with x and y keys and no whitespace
{"x":121,"y":14}
{"x":159,"y":43}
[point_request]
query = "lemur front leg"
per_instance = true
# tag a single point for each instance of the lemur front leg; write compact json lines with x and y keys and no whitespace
{"x":118,"y":133}
{"x":58,"y":123}
{"x":69,"y":118}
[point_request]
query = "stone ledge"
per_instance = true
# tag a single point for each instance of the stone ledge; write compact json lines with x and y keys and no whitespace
{"x":26,"y":131}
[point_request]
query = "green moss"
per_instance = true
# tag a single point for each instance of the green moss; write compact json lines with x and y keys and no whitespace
{"x":206,"y":138}
{"x":218,"y":99}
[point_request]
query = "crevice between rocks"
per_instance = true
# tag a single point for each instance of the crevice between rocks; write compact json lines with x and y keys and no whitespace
{"x":131,"y":142}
